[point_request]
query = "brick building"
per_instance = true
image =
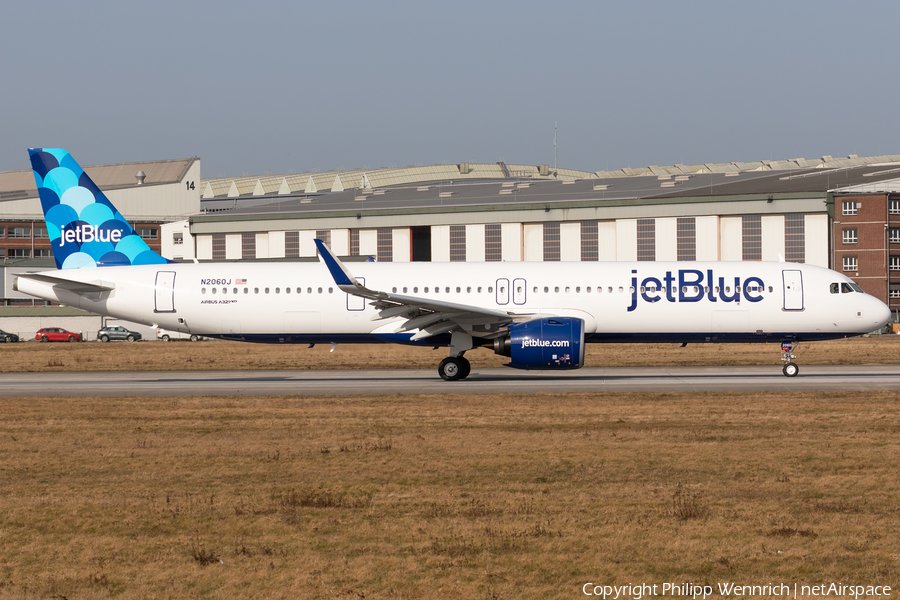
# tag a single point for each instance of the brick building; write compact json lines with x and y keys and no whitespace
{"x":866,"y":242}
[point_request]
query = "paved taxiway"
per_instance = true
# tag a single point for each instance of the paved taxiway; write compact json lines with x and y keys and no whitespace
{"x":481,"y":381}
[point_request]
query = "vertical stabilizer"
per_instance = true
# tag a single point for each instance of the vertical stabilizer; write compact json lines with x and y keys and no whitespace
{"x":85,"y":229}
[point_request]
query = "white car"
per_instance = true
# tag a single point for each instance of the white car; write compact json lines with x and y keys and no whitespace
{"x":167,"y":336}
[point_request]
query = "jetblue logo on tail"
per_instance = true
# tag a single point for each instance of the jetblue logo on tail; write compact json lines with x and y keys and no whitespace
{"x":85,"y":229}
{"x":89,"y":233}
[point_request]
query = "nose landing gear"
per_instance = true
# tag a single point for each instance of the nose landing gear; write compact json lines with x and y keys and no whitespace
{"x":790,"y":368}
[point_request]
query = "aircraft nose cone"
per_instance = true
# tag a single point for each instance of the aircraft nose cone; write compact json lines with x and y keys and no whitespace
{"x":882,"y":314}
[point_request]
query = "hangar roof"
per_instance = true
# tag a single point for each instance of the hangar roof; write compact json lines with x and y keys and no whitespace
{"x":336,"y":181}
{"x":18,"y":185}
{"x":506,"y":194}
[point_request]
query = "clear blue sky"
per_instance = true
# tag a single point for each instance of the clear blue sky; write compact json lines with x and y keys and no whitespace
{"x":276,"y":86}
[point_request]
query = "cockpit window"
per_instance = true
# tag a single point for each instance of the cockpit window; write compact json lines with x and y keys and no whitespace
{"x":846,"y":287}
{"x":835,"y":288}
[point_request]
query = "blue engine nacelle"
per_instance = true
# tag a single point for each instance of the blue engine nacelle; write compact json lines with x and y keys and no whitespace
{"x":555,"y":343}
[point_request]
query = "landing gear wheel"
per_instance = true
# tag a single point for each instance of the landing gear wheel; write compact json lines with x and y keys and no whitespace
{"x":466,"y":368}
{"x":791,"y":369}
{"x":453,"y":368}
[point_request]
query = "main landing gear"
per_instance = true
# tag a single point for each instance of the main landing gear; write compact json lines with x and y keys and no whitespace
{"x":790,"y":368}
{"x":455,"y":366}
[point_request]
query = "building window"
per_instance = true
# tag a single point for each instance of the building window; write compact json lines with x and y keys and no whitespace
{"x":218,"y":246}
{"x":646,"y":239}
{"x":895,"y":291}
{"x":894,"y":235}
{"x":40,"y":233}
{"x":354,"y":242}
{"x":894,"y":264}
{"x":551,"y":241}
{"x":324,"y":235}
{"x":42,"y":253}
{"x":795,"y":238}
{"x":590,"y":241}
{"x":20,"y":233}
{"x":385,"y":247}
{"x":894,"y":207}
{"x":147,"y":233}
{"x":493,"y":242}
{"x":687,"y":238}
{"x":849,"y":207}
{"x":457,"y":243}
{"x":849,"y":236}
{"x":2,"y":232}
{"x":19,"y":253}
{"x":851,"y":263}
{"x":2,"y":252}
{"x":178,"y":238}
{"x":751,"y":231}
{"x":291,"y":244}
{"x":248,"y":245}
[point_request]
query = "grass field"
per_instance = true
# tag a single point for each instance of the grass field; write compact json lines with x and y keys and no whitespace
{"x":503,"y":496}
{"x":435,"y":497}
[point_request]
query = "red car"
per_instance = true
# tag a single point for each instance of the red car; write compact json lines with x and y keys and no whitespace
{"x":56,"y":334}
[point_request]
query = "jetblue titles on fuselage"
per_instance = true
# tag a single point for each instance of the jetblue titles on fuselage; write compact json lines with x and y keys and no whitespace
{"x":693,"y":285}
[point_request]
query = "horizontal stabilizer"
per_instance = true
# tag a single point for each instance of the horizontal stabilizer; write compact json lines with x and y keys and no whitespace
{"x":72,"y":285}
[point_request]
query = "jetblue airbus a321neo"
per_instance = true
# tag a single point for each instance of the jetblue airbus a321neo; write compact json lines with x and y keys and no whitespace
{"x":540,"y":315}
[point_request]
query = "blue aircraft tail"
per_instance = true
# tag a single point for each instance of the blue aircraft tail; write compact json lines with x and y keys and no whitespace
{"x":85,"y":229}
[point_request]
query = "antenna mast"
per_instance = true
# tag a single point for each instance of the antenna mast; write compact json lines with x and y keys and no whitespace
{"x":555,"y":151}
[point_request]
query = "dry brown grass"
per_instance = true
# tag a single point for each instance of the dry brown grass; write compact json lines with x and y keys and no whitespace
{"x":443,"y":497}
{"x":162,"y":356}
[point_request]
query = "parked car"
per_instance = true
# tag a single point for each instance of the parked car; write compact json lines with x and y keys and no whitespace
{"x":56,"y":334}
{"x":5,"y":336}
{"x":167,"y":336}
{"x":117,"y":333}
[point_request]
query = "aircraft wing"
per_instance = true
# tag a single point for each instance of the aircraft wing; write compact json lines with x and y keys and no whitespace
{"x":68,"y":284}
{"x":428,"y":315}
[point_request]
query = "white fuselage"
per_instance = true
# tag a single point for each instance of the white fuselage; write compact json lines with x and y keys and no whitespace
{"x":618,"y":301}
